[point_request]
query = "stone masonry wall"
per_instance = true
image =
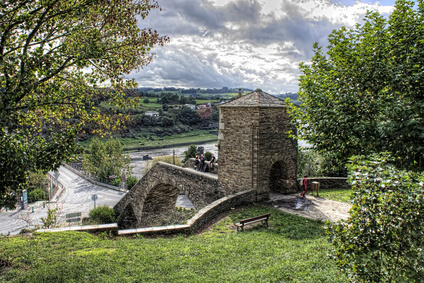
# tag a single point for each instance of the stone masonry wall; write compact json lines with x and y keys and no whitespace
{"x":251,"y":141}
{"x":328,"y":182}
{"x":277,"y":152}
{"x":236,"y":149}
{"x":159,"y":188}
{"x":206,"y":215}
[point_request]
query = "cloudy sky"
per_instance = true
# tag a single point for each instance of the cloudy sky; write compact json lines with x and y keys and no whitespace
{"x":244,"y":43}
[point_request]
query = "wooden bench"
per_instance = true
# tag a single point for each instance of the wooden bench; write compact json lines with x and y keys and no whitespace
{"x":247,"y":221}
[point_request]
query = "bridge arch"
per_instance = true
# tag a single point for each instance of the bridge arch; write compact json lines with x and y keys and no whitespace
{"x":158,"y":190}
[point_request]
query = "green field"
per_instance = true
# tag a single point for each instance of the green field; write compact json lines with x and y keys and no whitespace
{"x":143,"y":139}
{"x":291,"y":249}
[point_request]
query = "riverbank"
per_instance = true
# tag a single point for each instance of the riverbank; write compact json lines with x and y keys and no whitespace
{"x":144,"y":148}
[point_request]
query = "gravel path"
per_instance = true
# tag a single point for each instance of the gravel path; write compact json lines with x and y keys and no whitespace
{"x":311,"y":207}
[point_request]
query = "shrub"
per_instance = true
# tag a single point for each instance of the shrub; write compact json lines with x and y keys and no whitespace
{"x":102,"y":214}
{"x":190,"y":152}
{"x":116,"y":182}
{"x":52,"y":218}
{"x":36,"y":195}
{"x":131,"y":181}
{"x":208,"y":156}
{"x":383,"y":239}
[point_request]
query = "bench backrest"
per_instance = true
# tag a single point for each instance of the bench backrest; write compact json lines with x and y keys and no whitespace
{"x":255,"y":218}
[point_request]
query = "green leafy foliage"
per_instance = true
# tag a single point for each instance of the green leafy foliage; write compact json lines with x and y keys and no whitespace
{"x":106,"y":159}
{"x":131,"y":181}
{"x":102,"y":214}
{"x":36,"y":195}
{"x":366,"y":95}
{"x":208,"y":155}
{"x":190,"y":152}
{"x":383,"y":240}
{"x":52,"y":218}
{"x":54,"y":55}
{"x":307,"y":163}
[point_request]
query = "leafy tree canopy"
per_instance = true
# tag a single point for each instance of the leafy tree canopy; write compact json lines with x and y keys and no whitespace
{"x":366,"y":94}
{"x":107,"y":159}
{"x":54,"y":57}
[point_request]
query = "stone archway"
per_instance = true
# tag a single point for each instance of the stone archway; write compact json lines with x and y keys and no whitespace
{"x":280,"y":179}
{"x":159,"y":202}
{"x":160,"y":198}
{"x":277,"y":177}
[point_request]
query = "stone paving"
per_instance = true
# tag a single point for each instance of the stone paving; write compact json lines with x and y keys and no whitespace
{"x":311,"y":206}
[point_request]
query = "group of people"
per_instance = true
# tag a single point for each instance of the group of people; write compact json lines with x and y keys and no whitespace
{"x":199,"y":163}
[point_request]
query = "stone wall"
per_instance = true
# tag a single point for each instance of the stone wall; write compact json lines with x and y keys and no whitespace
{"x":328,"y":182}
{"x":157,"y":191}
{"x":203,"y":217}
{"x":277,"y":153}
{"x":213,"y":210}
{"x":253,"y":146}
{"x":236,"y":132}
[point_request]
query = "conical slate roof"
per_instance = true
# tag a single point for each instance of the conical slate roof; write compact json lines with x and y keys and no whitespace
{"x":255,"y":99}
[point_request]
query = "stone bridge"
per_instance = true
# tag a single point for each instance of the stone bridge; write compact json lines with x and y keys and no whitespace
{"x":158,"y":190}
{"x":254,"y":153}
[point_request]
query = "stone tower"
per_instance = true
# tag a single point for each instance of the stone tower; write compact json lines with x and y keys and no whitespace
{"x":255,"y":151}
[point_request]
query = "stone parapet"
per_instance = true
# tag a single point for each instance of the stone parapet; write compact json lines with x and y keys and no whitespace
{"x":204,"y":216}
{"x":101,"y":227}
{"x":211,"y":211}
{"x":328,"y":182}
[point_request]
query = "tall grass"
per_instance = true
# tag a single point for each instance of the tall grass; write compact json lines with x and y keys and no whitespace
{"x":291,"y":249}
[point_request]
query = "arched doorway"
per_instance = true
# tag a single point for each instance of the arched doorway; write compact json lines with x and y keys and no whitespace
{"x":278,"y":178}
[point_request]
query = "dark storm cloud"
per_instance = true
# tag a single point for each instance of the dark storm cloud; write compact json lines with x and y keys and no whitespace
{"x":214,"y":46}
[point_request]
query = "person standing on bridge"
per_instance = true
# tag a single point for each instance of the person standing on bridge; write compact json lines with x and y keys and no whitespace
{"x":202,"y":163}
{"x":196,"y":162}
{"x":212,"y":162}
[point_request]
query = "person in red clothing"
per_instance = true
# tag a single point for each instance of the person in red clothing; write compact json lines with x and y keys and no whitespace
{"x":305,"y":186}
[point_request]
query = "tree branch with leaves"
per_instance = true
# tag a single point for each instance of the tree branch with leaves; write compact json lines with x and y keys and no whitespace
{"x":55,"y":55}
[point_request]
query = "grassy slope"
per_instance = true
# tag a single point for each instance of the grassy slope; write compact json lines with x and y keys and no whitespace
{"x":291,"y":249}
{"x":343,"y":195}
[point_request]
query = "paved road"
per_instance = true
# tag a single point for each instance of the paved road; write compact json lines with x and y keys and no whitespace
{"x":77,"y":198}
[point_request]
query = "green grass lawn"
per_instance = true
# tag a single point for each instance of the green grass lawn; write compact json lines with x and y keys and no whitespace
{"x":152,"y":105}
{"x":343,"y":195}
{"x":292,"y":249}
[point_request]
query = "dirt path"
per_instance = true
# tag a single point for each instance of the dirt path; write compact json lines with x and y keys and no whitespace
{"x":311,"y":206}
